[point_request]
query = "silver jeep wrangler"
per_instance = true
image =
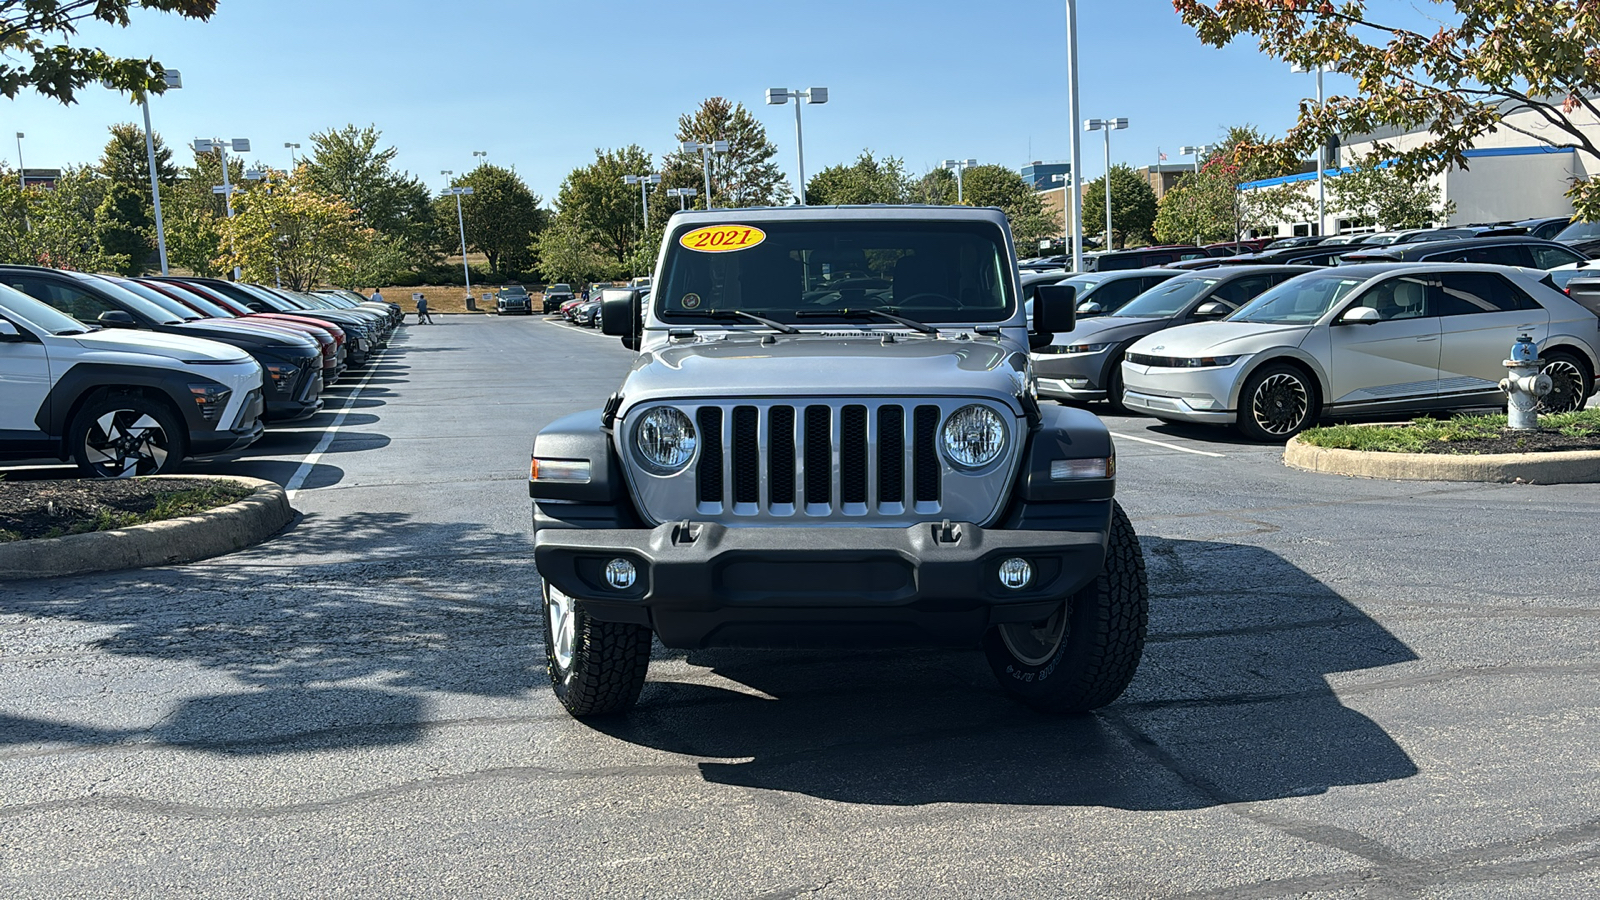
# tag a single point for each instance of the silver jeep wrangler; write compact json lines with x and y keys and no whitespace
{"x":831,"y":438}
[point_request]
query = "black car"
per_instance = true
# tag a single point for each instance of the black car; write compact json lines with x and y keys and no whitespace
{"x":1306,"y":255}
{"x":513,"y":298}
{"x":1583,"y":237}
{"x":1142,"y":258}
{"x":1289,"y":243}
{"x":361,"y":335}
{"x":555,"y":295}
{"x":1515,"y":250}
{"x":291,"y":365}
{"x":1546,"y":228}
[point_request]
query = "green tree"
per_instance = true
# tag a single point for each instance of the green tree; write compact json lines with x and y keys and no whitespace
{"x":745,"y":175}
{"x":1485,"y":60}
{"x":936,"y":188}
{"x":16,"y":241}
{"x":65,"y":233}
{"x":991,"y":185}
{"x":1133,"y":206}
{"x":1375,"y":194}
{"x":348,"y":165}
{"x":867,"y":180}
{"x":567,"y":253}
{"x":598,"y":200}
{"x":125,"y":227}
{"x":1209,"y":206}
{"x":290,"y":231}
{"x":375,"y":259}
{"x":125,"y":161}
{"x":502,"y":216}
{"x":37,"y":50}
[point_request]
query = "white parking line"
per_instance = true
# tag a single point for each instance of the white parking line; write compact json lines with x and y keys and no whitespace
{"x":300,"y":474}
{"x":1141,"y":440}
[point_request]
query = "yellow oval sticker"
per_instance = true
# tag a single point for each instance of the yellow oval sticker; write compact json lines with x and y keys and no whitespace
{"x":722,"y":238}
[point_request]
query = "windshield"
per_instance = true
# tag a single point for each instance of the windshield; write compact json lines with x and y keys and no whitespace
{"x":216,"y":298}
{"x":273,"y":301}
{"x":521,"y":292}
{"x":1166,"y":300}
{"x":1579,"y":231}
{"x":21,"y":308}
{"x":203,"y":304}
{"x":160,"y":299}
{"x":928,"y":271}
{"x":133,"y":301}
{"x":1298,"y":301}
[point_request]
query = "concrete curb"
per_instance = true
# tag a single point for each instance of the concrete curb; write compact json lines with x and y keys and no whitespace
{"x":211,"y":533}
{"x":1563,"y":467}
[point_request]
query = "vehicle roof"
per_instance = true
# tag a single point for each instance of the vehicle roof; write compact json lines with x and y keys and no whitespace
{"x":907,"y":212}
{"x":1225,"y":273}
{"x":1457,"y":243}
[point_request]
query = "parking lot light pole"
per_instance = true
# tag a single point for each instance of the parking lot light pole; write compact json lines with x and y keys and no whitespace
{"x":480,"y":154}
{"x":22,"y":180}
{"x":705,"y":151}
{"x":461,"y":222}
{"x":643,"y":181}
{"x":221,"y":147}
{"x":681,"y":193}
{"x":1198,"y":152}
{"x":1074,"y":205}
{"x":174,"y":80}
{"x":780,"y":96}
{"x":1321,"y":196}
{"x":291,"y":146}
{"x":265,"y":175}
{"x":958,"y":166}
{"x":1107,"y":126}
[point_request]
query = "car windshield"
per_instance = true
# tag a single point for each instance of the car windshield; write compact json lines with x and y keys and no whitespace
{"x":1580,"y":231}
{"x":218,"y":298}
{"x":560,"y":288}
{"x":19,"y":307}
{"x":161,"y":300}
{"x":514,"y":292}
{"x":133,"y":301}
{"x":1562,"y":277}
{"x":798,"y":272}
{"x":1298,"y":301}
{"x":1166,"y":300}
{"x":204,"y":304}
{"x":273,"y":301}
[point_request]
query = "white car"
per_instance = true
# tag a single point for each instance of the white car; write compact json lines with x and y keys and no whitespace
{"x":1364,"y":339}
{"x":118,"y":402}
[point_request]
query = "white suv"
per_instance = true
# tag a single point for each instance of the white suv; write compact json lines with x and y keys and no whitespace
{"x":119,"y":403}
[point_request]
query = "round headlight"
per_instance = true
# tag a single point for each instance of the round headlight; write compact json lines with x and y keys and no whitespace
{"x":665,"y":438}
{"x":974,"y":436}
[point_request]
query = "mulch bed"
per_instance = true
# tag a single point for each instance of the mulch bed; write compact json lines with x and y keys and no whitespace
{"x":36,"y":509}
{"x":1541,"y":441}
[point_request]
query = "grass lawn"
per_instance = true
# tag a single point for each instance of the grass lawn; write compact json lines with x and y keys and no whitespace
{"x":1427,"y":435}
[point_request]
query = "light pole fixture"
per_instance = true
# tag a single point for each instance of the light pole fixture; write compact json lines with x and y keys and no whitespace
{"x":22,"y":172}
{"x":1197,"y":152}
{"x":221,"y":147}
{"x":643,"y":181}
{"x":265,"y":175}
{"x":1321,"y":196}
{"x":476,"y":154}
{"x":461,"y":222}
{"x":681,"y":193}
{"x":1107,"y":126}
{"x":291,"y":146}
{"x":958,"y":166}
{"x":174,"y":81}
{"x":705,"y":151}
{"x":780,"y":96}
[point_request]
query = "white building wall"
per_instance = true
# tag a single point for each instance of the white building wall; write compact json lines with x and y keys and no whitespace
{"x":1502,"y":188}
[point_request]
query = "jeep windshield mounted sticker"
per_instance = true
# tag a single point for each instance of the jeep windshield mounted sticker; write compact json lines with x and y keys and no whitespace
{"x":722,"y":238}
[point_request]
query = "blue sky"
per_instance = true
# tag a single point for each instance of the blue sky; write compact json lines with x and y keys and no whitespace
{"x":540,"y":85}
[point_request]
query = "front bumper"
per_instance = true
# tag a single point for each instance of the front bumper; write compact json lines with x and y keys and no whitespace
{"x":1076,"y":376}
{"x":1188,"y":395}
{"x":704,"y":584}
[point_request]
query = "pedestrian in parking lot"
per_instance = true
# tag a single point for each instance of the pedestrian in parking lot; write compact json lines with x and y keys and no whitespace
{"x":377,"y":295}
{"x":422,"y":311}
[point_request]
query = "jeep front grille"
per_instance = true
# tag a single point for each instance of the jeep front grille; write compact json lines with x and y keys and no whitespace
{"x":776,"y":462}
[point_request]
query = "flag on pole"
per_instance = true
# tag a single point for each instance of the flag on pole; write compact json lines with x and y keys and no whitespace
{"x":1160,"y":154}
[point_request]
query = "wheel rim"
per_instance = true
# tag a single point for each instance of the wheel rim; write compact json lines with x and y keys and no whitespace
{"x":563,"y":626}
{"x":124,"y":443}
{"x":1035,"y":643}
{"x":1566,"y":387}
{"x":1280,"y":404}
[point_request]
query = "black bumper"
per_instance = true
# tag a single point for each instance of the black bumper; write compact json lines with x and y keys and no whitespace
{"x":709,"y":585}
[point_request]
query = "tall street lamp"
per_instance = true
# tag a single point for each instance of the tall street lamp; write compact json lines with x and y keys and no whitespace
{"x":780,"y":96}
{"x":174,"y":80}
{"x":1321,"y":197}
{"x":1107,"y":126}
{"x":476,"y":154}
{"x":291,"y":146}
{"x":958,"y":166}
{"x":681,"y":193}
{"x":265,"y":175}
{"x":461,"y":222}
{"x":1198,"y":152}
{"x":22,"y":179}
{"x":1075,"y":209}
{"x":644,"y":182}
{"x":705,"y":151}
{"x":221,"y":147}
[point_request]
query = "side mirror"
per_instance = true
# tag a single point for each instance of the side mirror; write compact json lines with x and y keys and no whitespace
{"x":9,"y":333}
{"x":116,"y":318}
{"x":619,"y":315}
{"x":1055,"y":311}
{"x":1359,"y":315}
{"x":1214,"y":309}
{"x":1090,"y":309}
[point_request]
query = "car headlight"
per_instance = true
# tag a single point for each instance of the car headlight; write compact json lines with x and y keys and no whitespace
{"x":973,"y":436}
{"x":665,"y":439}
{"x":1207,"y":362}
{"x":1063,"y":349}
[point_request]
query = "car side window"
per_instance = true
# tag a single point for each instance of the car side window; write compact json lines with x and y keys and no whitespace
{"x":1550,"y":257}
{"x":80,"y":305}
{"x":1115,"y":294}
{"x":1464,"y":293}
{"x":1504,"y":255}
{"x":1405,"y":297}
{"x":1240,"y":291}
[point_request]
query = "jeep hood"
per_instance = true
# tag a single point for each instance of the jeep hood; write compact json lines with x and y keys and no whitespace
{"x":170,"y":346}
{"x":1220,"y":339}
{"x":818,"y":365}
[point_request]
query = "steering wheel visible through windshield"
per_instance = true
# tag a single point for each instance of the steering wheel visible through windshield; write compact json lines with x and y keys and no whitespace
{"x":799,"y":272}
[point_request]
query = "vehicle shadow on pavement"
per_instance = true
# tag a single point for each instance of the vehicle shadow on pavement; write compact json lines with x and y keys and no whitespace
{"x":330,"y":636}
{"x":1231,"y":704}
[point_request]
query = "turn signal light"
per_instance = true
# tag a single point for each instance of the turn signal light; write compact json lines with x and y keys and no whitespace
{"x":1074,"y":469}
{"x":569,"y":471}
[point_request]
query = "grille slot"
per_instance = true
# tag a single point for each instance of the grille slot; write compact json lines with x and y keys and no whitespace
{"x":746,"y":456}
{"x":780,"y":455}
{"x":853,"y":454}
{"x":891,"y":454}
{"x":710,"y":470}
{"x":819,"y":455}
{"x":925,"y":459}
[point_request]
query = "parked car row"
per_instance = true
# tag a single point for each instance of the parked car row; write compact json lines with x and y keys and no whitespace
{"x":131,"y":376}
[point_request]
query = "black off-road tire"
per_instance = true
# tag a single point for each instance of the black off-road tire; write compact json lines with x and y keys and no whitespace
{"x":608,"y":666}
{"x":1572,"y":383}
{"x":1103,"y":640}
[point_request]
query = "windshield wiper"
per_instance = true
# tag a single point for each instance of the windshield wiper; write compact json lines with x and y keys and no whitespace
{"x":775,"y":325}
{"x":912,"y":324}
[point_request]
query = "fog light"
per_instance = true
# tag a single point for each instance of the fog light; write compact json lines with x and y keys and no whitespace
{"x":620,"y":574}
{"x":1016,"y":572}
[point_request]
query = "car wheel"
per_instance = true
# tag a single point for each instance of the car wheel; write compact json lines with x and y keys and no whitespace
{"x":1277,"y":403}
{"x":120,"y":437}
{"x":1570,"y":384}
{"x":1083,"y":656}
{"x":595,"y":667}
{"x":1114,"y":387}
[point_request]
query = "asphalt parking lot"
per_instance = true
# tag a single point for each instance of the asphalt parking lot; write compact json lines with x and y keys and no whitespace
{"x":1352,"y":688}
